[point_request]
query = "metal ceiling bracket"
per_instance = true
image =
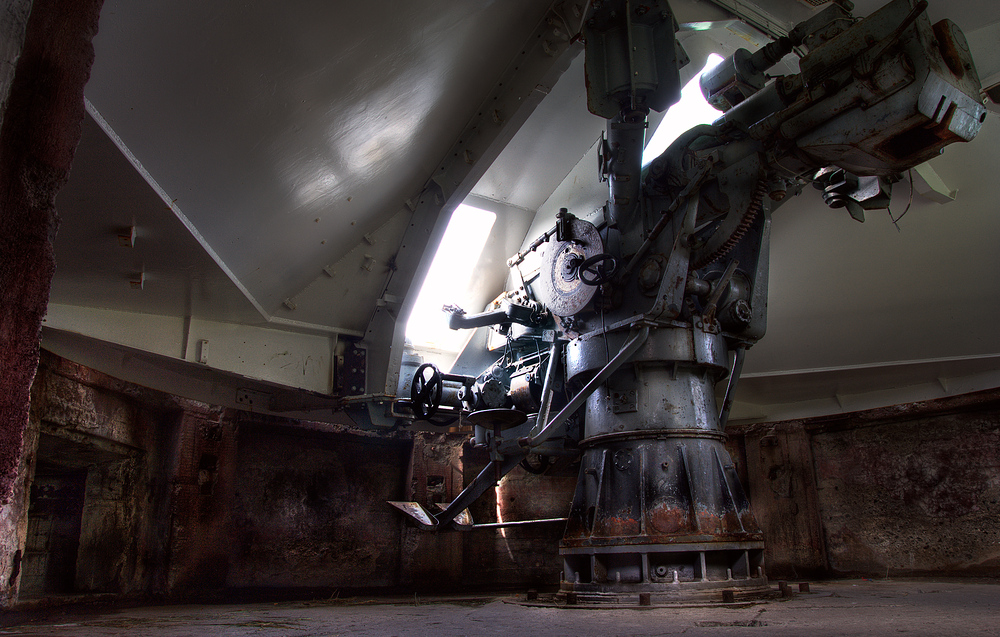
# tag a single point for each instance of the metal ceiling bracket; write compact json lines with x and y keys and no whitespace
{"x":929,"y":184}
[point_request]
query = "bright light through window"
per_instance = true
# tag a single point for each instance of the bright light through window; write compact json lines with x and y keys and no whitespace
{"x":449,"y":281}
{"x":691,"y":110}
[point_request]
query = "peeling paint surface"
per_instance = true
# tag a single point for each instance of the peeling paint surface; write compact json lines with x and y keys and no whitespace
{"x":912,"y":497}
{"x":309,"y":510}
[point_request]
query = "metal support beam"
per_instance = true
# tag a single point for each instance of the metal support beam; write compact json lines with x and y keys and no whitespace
{"x":528,"y":78}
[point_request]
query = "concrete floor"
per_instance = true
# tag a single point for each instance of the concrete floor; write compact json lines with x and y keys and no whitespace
{"x":855,"y":607}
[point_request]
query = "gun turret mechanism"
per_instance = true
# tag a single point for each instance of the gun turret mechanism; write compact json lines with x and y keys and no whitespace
{"x":615,"y":341}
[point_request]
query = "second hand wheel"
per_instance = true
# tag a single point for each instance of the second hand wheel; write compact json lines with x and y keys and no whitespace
{"x":425,"y":392}
{"x":598,"y":269}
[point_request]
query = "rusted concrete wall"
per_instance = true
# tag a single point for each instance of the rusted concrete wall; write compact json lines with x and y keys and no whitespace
{"x":309,"y":507}
{"x":436,"y":474}
{"x":41,"y":123}
{"x":441,"y":465}
{"x":901,"y":491}
{"x":202,"y":481}
{"x":776,"y":468}
{"x":184,"y":500}
{"x":527,"y":555}
{"x":189,"y":501}
{"x":912,"y":498}
{"x":14,"y":517}
{"x":125,"y":442}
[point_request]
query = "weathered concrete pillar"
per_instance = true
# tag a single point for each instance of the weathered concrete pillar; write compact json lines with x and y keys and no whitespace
{"x":46,"y":58}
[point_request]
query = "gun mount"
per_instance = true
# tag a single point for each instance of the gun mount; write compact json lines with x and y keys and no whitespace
{"x":618,"y":331}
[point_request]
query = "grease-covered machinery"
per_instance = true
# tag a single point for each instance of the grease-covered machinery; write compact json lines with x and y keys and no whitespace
{"x":616,"y":332}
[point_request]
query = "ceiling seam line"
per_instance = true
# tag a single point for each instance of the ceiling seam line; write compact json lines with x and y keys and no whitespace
{"x":863,"y":366}
{"x":106,"y":127}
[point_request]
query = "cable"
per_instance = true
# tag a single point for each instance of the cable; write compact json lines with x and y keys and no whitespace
{"x":895,"y":222}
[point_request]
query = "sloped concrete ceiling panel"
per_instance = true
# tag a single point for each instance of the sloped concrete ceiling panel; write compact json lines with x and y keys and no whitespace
{"x":106,"y":198}
{"x":287,"y":132}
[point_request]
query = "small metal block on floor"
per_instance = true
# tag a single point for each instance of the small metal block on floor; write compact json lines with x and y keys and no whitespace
{"x":728,"y":597}
{"x":803,"y":587}
{"x":786,"y":591}
{"x":645,"y":599}
{"x":532,"y":595}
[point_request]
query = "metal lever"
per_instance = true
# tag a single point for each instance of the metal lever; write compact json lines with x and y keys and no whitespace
{"x":713,"y":299}
{"x":734,"y":377}
{"x":486,"y":479}
{"x":864,"y":64}
{"x":512,"y":313}
{"x":545,"y":430}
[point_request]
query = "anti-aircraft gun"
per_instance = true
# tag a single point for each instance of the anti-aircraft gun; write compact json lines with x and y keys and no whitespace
{"x":616,"y":332}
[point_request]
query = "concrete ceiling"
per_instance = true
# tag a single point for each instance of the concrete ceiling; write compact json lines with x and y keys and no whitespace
{"x":285,"y":136}
{"x":105,"y":199}
{"x":264,"y":155}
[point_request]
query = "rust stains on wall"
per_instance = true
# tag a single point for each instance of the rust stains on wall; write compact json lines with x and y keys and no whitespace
{"x":526,"y":555}
{"x":309,"y":507}
{"x":899,"y":491}
{"x":914,"y":497}
{"x":776,"y":466}
{"x":184,"y":500}
{"x":436,"y":474}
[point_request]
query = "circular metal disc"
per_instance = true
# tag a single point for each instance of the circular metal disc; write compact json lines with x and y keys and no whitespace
{"x":559,"y":286}
{"x":489,"y":418}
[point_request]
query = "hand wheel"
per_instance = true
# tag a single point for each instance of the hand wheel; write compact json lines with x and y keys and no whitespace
{"x":425,"y":392}
{"x":598,"y":269}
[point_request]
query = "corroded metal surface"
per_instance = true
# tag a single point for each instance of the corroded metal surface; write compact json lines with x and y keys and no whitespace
{"x":559,"y":287}
{"x":660,"y":514}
